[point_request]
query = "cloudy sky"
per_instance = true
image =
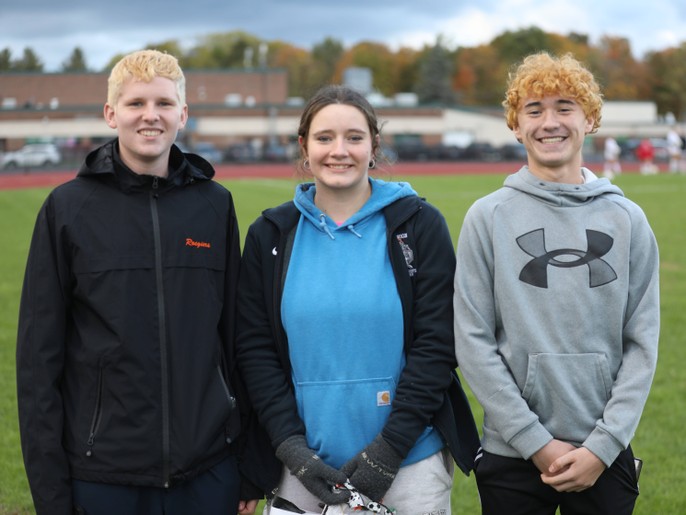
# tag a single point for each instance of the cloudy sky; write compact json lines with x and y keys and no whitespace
{"x":102,"y":29}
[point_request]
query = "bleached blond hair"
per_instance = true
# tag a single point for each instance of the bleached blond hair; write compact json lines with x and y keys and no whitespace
{"x":145,"y":65}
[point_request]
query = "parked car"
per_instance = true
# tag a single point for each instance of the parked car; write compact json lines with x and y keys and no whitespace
{"x":480,"y":152}
{"x":415,"y":151}
{"x":208,"y":151}
{"x":32,"y":155}
{"x":276,"y":153}
{"x":513,"y":152}
{"x":241,"y":153}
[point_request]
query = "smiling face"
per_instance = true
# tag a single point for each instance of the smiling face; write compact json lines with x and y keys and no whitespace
{"x":552,"y":129}
{"x":148,"y":116}
{"x":339,"y":147}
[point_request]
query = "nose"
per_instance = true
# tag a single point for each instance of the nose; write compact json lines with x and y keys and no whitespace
{"x":550,"y":119}
{"x":339,"y":148}
{"x":150,"y":112}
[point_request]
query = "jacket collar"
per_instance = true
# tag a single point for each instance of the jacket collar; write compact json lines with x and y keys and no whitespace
{"x":105,"y":162}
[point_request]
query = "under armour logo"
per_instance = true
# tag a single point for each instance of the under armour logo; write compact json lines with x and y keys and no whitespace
{"x":535,"y":272}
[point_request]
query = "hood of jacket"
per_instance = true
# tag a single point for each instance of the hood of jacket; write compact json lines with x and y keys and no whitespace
{"x":561,"y":194}
{"x":105,"y":162}
{"x":383,"y":194}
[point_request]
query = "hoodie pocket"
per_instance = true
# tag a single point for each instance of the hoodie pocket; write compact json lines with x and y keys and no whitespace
{"x":568,"y":392}
{"x":342,"y":417}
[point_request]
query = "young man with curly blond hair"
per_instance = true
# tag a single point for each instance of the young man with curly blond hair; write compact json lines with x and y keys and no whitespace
{"x":556,"y":311}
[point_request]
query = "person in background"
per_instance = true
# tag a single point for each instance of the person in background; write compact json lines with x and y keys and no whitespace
{"x":645,"y":152}
{"x":557,"y":311}
{"x":611,"y":153}
{"x":345,"y":326}
{"x":675,"y":150}
{"x":129,"y":400}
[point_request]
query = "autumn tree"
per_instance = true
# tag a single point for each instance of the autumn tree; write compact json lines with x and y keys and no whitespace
{"x":480,"y":76}
{"x":667,"y":70}
{"x":375,"y":56}
{"x":406,"y":69}
{"x":617,"y":69}
{"x":325,"y":56}
{"x":512,"y":47}
{"x":302,"y":80}
{"x":221,"y":51}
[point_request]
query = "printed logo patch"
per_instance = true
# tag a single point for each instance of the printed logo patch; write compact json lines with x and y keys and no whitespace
{"x":408,"y":253}
{"x":383,"y":398}
{"x":190,"y":242}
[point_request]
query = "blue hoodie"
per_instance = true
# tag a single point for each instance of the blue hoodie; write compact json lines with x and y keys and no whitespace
{"x":343,"y":317}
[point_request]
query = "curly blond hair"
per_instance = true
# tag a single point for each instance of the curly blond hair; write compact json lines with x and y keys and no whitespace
{"x":541,"y":74}
{"x":145,"y":65}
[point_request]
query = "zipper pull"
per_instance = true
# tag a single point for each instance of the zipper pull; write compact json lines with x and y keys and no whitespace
{"x":155,"y":187}
{"x":91,"y":440}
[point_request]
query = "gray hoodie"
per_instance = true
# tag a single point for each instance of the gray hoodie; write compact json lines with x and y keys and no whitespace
{"x":557,"y":314}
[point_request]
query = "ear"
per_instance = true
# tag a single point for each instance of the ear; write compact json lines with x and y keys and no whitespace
{"x":184,"y":117}
{"x":517,"y":133}
{"x":108,"y":113}
{"x":303,"y":147}
{"x":589,"y":125}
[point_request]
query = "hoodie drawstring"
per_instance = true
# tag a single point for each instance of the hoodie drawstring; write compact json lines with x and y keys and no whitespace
{"x":351,"y":228}
{"x":324,"y":226}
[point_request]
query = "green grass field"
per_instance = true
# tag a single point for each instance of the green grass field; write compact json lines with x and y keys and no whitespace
{"x":659,"y":440}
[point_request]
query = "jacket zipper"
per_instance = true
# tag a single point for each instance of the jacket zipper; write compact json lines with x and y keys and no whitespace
{"x":97,"y":412}
{"x":230,"y":398}
{"x":164,"y":372}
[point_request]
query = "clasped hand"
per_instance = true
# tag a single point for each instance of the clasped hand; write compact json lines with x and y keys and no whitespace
{"x":567,"y":468}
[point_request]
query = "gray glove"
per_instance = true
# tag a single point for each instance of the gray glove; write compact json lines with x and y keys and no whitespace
{"x":313,"y":473}
{"x":373,"y":470}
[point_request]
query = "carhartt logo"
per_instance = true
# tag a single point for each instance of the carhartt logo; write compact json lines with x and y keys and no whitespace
{"x":535,"y":272}
{"x":190,"y":242}
{"x":383,"y":398}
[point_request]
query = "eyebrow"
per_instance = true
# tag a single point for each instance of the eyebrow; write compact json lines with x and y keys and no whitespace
{"x":538,"y":103}
{"x":328,"y":131}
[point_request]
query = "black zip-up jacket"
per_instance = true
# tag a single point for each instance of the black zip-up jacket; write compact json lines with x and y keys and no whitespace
{"x":126,"y":330}
{"x":423,"y":262}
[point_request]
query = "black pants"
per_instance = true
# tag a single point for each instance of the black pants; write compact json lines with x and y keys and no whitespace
{"x":213,"y":492}
{"x":512,"y":486}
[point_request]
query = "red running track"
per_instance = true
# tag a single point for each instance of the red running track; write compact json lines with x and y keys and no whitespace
{"x":41,"y":179}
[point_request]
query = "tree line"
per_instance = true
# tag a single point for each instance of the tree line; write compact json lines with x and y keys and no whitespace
{"x":468,"y":76}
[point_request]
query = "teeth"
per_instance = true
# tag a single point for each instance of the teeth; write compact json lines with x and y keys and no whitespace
{"x":338,"y":167}
{"x":150,"y":133}
{"x":557,"y":139}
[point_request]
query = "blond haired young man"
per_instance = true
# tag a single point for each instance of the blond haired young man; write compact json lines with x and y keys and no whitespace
{"x":129,"y":402}
{"x":556,"y":311}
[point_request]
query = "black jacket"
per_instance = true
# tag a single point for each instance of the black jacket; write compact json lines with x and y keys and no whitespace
{"x":125,"y":359}
{"x":423,"y":261}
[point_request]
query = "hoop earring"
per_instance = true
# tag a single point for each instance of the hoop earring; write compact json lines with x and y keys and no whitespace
{"x":306,"y":164}
{"x":372,"y":163}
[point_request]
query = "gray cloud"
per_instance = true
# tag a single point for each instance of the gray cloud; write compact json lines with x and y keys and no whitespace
{"x":54,"y":30}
